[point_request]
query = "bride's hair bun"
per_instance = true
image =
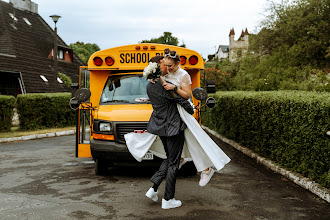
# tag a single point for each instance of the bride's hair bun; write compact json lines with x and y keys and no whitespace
{"x":172,"y":54}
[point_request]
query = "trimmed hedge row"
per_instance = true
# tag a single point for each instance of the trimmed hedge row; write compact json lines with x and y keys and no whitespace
{"x":6,"y":112}
{"x":45,"y":110}
{"x":287,"y":127}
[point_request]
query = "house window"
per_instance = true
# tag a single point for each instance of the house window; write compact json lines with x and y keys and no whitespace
{"x":43,"y":78}
{"x":60,"y":54}
{"x":13,"y":26}
{"x":13,"y":16}
{"x":27,"y":21}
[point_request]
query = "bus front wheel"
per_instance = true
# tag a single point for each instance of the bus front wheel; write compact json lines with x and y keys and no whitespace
{"x":100,"y":167}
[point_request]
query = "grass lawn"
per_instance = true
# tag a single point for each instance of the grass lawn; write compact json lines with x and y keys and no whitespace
{"x":16,"y":133}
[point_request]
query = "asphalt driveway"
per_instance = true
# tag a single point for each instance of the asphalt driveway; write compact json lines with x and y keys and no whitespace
{"x":41,"y":179}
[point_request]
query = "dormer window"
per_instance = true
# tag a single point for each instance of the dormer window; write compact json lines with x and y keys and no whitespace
{"x":63,"y":53}
{"x":27,"y":21}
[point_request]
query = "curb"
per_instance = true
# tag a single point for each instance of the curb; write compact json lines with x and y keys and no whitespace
{"x":297,"y":178}
{"x":37,"y":136}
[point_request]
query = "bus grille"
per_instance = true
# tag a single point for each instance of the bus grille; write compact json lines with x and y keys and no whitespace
{"x":124,"y":128}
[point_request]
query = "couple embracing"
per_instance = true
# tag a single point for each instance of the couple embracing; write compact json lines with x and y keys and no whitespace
{"x":181,"y":137}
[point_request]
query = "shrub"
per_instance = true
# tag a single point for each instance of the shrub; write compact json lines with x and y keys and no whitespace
{"x":45,"y":110}
{"x":287,"y":127}
{"x":66,"y":79}
{"x":6,"y":112}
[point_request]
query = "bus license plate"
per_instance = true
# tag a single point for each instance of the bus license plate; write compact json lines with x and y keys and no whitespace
{"x":148,"y":156}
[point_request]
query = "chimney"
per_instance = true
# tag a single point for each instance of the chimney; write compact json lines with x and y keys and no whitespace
{"x":25,"y":5}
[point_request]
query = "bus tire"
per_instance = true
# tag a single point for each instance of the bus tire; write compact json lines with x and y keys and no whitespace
{"x":188,"y":169}
{"x":100,"y":167}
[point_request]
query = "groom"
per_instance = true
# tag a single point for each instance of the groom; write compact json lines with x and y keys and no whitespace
{"x":165,"y":121}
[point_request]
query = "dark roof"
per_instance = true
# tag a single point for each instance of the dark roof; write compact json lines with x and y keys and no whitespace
{"x":25,"y":49}
{"x":224,"y":48}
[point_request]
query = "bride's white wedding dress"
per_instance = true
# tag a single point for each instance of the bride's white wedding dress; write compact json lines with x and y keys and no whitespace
{"x":198,"y":146}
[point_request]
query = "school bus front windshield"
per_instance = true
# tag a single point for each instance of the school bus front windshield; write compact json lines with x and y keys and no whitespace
{"x":125,"y":88}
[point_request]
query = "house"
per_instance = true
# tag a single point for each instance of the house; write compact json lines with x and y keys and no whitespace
{"x":222,"y":52}
{"x":26,"y":52}
{"x":237,"y":48}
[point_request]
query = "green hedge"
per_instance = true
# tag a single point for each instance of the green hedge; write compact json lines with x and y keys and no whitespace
{"x":45,"y":110}
{"x":287,"y":127}
{"x":6,"y":112}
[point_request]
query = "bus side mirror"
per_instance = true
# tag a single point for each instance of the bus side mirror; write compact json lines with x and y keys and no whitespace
{"x":199,"y":93}
{"x":81,"y":95}
{"x":210,"y":86}
{"x":210,"y":102}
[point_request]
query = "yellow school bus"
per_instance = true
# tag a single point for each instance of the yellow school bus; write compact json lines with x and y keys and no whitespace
{"x":118,"y":102}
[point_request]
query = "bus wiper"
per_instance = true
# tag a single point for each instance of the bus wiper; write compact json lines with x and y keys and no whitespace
{"x":115,"y":100}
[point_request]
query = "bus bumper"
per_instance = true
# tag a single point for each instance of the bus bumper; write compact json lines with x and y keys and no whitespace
{"x":118,"y":154}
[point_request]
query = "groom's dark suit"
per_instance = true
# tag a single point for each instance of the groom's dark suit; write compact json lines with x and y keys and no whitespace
{"x":165,"y":121}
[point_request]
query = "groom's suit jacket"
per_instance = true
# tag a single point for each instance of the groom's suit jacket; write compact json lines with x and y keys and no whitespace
{"x":165,"y":119}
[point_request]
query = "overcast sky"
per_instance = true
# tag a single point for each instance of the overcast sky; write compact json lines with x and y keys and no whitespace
{"x":202,"y":25}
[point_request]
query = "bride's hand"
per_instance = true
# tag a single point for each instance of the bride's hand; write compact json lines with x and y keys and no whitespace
{"x":168,"y":86}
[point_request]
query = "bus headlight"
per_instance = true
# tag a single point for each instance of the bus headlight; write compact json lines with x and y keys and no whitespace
{"x":105,"y":126}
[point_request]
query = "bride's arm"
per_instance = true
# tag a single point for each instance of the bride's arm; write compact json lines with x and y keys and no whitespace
{"x":184,"y":91}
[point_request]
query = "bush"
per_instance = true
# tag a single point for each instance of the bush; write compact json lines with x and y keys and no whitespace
{"x":66,"y":79}
{"x":45,"y":110}
{"x":6,"y":112}
{"x":287,"y":127}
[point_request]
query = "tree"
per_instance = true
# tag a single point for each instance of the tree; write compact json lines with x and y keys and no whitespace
{"x":166,"y":38}
{"x":84,"y":51}
{"x":291,"y":51}
{"x":183,"y":44}
{"x":300,"y":27}
{"x":211,"y":57}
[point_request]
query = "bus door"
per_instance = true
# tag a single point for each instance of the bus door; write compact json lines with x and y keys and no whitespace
{"x":83,"y":134}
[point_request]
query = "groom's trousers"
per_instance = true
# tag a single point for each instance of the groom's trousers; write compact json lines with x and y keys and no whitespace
{"x":173,"y":147}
